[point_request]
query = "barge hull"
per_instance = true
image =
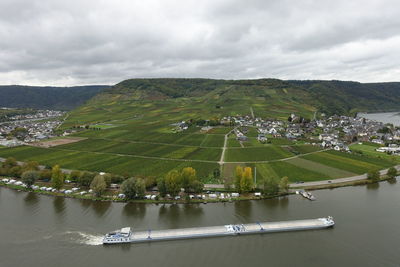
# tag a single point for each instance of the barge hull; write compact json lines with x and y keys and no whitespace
{"x":231,"y":230}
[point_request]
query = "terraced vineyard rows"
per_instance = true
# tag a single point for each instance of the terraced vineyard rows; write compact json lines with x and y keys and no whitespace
{"x":139,"y":136}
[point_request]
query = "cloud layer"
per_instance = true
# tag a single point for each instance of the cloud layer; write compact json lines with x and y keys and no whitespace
{"x":52,"y":42}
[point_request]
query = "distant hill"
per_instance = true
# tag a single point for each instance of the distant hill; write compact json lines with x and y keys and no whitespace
{"x":59,"y":98}
{"x":342,"y":97}
{"x":195,"y":98}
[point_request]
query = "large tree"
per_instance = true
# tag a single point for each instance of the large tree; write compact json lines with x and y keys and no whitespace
{"x":197,"y":186}
{"x":29,"y":178}
{"x":128,"y":187}
{"x":85,"y":178}
{"x":246,"y":181}
{"x":30,"y":166}
{"x":140,"y":187}
{"x":15,"y":171}
{"x":392,"y":172}
{"x":172,"y":182}
{"x":57,"y":177}
{"x":9,"y":163}
{"x":284,"y":184}
{"x":188,"y":176}
{"x":98,"y":185}
{"x":270,"y":186}
{"x":238,"y":177}
{"x":162,"y":188}
{"x":373,"y":175}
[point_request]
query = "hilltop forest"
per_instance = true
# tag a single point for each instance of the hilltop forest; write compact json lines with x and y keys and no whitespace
{"x":57,"y":98}
{"x":340,"y":97}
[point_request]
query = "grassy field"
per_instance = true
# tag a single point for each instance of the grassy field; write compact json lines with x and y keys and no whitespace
{"x":103,"y":126}
{"x":119,"y":154}
{"x":266,"y":152}
{"x":320,"y":168}
{"x":145,"y":149}
{"x":350,"y":162}
{"x":369,"y":149}
{"x":278,"y":170}
{"x":321,"y":165}
{"x":93,"y":161}
{"x":256,"y":154}
{"x":213,"y":141}
{"x":220,"y":130}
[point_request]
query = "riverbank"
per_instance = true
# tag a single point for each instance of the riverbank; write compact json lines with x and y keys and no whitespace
{"x":392,"y":117}
{"x":249,"y":196}
{"x":115,"y":198}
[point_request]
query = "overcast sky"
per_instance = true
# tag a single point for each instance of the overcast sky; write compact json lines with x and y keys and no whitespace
{"x":52,"y":42}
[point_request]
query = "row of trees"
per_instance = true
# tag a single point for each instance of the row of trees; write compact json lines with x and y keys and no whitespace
{"x":172,"y":183}
{"x":243,"y":182}
{"x":272,"y":186}
{"x":243,"y":179}
{"x":175,"y":180}
{"x":375,"y":176}
{"x":133,"y":188}
{"x":29,"y":177}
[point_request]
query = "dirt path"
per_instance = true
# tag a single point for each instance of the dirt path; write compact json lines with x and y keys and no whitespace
{"x":221,"y":161}
{"x":136,"y":156}
{"x":154,"y":143}
{"x":275,"y":160}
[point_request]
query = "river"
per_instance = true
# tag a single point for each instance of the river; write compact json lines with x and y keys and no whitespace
{"x":39,"y":230}
{"x":385,"y":117}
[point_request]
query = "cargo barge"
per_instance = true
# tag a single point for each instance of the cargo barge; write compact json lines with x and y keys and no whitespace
{"x":125,"y":235}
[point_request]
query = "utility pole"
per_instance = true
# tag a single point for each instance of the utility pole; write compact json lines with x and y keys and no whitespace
{"x":255,"y":176}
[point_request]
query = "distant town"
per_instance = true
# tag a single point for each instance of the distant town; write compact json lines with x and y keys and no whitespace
{"x":27,"y":128}
{"x":335,"y":132}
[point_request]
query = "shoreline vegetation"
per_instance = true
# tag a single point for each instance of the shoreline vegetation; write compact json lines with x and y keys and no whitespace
{"x":177,"y":186}
{"x":249,"y":196}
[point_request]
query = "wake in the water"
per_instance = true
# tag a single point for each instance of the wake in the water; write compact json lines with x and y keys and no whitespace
{"x":85,"y":238}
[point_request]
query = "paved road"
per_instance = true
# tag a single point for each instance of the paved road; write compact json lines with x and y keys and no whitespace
{"x":339,"y":180}
{"x":275,"y":160}
{"x":316,"y":183}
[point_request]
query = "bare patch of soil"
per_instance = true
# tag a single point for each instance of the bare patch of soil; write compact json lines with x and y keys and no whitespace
{"x":57,"y":142}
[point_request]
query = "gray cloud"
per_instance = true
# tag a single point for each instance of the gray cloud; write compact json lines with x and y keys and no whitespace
{"x":53,"y":42}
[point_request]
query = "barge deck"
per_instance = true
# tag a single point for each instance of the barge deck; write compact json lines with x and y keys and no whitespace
{"x":225,"y":230}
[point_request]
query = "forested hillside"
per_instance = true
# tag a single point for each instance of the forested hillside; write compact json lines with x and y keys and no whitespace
{"x":341,"y":97}
{"x":272,"y":96}
{"x":60,"y":98}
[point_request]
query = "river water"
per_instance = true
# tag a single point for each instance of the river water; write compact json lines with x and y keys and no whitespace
{"x":41,"y":230}
{"x":385,"y":117}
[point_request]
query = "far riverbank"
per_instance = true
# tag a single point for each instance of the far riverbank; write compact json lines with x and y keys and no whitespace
{"x":385,"y":117}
